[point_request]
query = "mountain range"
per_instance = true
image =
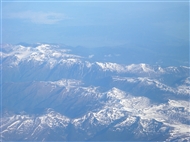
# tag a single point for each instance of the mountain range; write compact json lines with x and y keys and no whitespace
{"x":53,"y":92}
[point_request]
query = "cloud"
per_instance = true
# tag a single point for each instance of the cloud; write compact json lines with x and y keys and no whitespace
{"x":39,"y":17}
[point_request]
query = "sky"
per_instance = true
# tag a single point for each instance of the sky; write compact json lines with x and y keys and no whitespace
{"x":97,"y":24}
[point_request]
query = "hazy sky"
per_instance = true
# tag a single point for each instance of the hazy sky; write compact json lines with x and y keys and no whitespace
{"x":94,"y":24}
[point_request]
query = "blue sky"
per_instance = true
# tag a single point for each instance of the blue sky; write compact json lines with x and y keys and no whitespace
{"x":96,"y":24}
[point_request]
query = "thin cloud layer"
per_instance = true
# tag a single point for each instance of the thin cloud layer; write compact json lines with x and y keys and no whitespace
{"x":97,"y":24}
{"x":39,"y":17}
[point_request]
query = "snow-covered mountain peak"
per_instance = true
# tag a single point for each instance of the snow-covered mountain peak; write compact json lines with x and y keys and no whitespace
{"x":114,"y":67}
{"x":141,"y":68}
{"x":51,"y":54}
{"x":115,"y":93}
{"x":51,"y":119}
{"x":133,"y":68}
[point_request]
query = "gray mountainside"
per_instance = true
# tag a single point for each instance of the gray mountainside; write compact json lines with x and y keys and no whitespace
{"x":54,"y":92}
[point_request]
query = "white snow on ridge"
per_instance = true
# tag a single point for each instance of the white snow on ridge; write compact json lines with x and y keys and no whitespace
{"x":185,"y":87}
{"x":141,"y":107}
{"x":127,"y":122}
{"x":139,"y":67}
{"x":181,"y":90}
{"x":56,"y":54}
{"x":68,"y":83}
{"x":53,"y":119}
{"x":52,"y":55}
{"x":184,"y":104}
{"x":116,"y":93}
{"x":133,"y":68}
{"x":119,"y":103}
{"x":88,"y":64}
{"x":117,"y":108}
{"x":91,"y":91}
{"x":111,"y":67}
{"x":34,"y":125}
{"x":42,"y":53}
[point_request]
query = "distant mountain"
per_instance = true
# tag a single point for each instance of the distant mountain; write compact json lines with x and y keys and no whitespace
{"x":53,"y":92}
